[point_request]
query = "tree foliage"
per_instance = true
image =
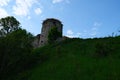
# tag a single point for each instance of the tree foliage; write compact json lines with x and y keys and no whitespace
{"x":15,"y":52}
{"x":8,"y":24}
{"x":53,"y":35}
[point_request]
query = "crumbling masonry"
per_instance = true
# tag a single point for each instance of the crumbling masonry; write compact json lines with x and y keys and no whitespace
{"x":42,"y":39}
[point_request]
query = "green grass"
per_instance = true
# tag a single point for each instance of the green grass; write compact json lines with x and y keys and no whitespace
{"x":77,"y":59}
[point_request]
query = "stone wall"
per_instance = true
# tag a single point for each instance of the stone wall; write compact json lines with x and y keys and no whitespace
{"x":42,"y":39}
{"x":46,"y":27}
{"x":36,"y":41}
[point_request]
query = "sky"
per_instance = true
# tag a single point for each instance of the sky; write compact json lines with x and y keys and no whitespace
{"x":80,"y":18}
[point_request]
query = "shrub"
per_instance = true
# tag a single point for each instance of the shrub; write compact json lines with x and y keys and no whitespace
{"x":102,"y":49}
{"x":53,"y":35}
{"x":15,"y":53}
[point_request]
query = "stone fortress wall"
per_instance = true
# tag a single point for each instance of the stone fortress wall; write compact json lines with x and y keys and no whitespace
{"x":42,"y":39}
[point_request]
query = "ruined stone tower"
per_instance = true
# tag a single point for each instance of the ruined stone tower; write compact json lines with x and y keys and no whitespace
{"x":46,"y":27}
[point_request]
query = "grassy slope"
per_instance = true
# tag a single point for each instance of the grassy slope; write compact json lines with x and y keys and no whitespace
{"x":77,"y":59}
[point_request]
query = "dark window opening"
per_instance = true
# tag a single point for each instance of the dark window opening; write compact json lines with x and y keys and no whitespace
{"x":41,"y":41}
{"x":54,"y":23}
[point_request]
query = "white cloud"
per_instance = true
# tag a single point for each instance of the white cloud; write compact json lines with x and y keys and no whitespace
{"x":69,"y":32}
{"x":79,"y":33}
{"x":56,"y":1}
{"x":93,"y":32}
{"x":97,"y":24}
{"x":59,"y":1}
{"x":3,"y":13}
{"x":22,"y":7}
{"x":38,"y":11}
{"x":4,"y":2}
{"x":28,"y":17}
{"x":72,"y":34}
{"x":84,"y":34}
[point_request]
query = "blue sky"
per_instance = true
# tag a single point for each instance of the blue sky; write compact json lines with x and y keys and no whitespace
{"x":81,"y":18}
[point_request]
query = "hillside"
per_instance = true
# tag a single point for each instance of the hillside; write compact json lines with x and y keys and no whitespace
{"x":77,"y":59}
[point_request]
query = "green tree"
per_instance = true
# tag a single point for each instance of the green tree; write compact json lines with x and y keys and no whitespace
{"x":8,"y":24}
{"x":53,"y":35}
{"x":15,"y":52}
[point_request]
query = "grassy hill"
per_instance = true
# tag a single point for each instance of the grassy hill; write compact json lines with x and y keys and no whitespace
{"x":77,"y":59}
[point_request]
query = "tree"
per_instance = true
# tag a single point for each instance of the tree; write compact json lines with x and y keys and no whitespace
{"x":53,"y":35}
{"x":8,"y":25}
{"x":15,"y":52}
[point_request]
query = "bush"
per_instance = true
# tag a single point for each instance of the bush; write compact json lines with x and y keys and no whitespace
{"x":53,"y":35}
{"x":102,"y":49}
{"x":15,"y":53}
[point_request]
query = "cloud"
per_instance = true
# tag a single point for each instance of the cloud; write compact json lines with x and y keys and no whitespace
{"x":29,"y":17}
{"x":78,"y":34}
{"x":38,"y":11}
{"x":95,"y":28}
{"x":69,"y":32}
{"x":22,"y":7}
{"x":93,"y":32}
{"x":59,"y":1}
{"x":3,"y":13}
{"x":72,"y":34}
{"x":84,"y":34}
{"x":56,"y":1}
{"x":4,"y":2}
{"x":97,"y":24}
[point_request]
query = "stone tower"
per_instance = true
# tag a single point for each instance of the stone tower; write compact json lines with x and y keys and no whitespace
{"x":46,"y":27}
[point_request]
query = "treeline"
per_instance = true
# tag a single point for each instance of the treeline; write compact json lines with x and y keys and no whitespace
{"x":16,"y":50}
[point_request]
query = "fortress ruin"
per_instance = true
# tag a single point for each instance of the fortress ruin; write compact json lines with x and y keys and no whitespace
{"x":42,"y":39}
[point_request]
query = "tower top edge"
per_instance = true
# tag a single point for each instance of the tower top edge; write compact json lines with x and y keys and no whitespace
{"x":50,"y":20}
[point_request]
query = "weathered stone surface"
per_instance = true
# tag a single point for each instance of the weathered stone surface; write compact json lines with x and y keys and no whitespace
{"x":42,"y":39}
{"x":36,"y":41}
{"x":46,"y":26}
